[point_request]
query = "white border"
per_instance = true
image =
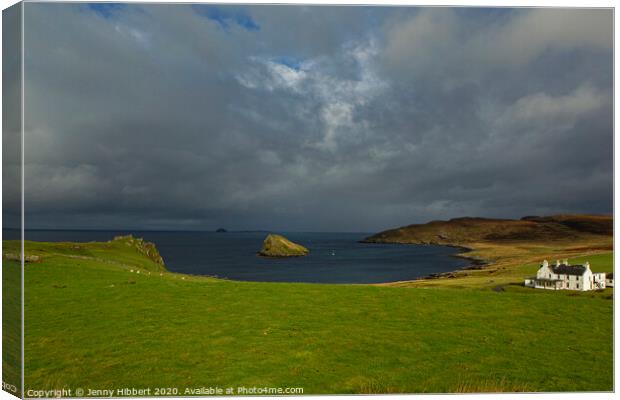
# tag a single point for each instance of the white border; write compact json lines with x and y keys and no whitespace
{"x":476,"y":3}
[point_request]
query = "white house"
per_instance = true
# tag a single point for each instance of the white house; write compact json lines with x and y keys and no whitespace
{"x":609,"y":279}
{"x":563,"y":276}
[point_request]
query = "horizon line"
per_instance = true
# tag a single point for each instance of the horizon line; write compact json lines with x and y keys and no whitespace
{"x":179,"y":230}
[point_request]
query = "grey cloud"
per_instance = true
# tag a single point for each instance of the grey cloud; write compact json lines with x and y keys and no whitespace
{"x":326,"y":118}
{"x":439,"y":39}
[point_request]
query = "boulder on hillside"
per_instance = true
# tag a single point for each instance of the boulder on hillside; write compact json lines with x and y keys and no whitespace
{"x":279,"y":246}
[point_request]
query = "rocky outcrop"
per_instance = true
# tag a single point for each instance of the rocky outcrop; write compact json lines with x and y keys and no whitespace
{"x":146,"y":248}
{"x":279,"y":246}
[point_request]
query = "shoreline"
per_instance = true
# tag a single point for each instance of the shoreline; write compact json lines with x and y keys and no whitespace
{"x":500,"y":261}
{"x":475,"y":263}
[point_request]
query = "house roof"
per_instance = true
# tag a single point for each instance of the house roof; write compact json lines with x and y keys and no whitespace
{"x":564,"y":269}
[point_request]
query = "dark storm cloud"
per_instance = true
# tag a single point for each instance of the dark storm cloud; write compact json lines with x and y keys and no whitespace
{"x":313,"y":118}
{"x":11,"y":121}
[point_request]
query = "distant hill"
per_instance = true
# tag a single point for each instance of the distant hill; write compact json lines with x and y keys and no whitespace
{"x":470,"y":230}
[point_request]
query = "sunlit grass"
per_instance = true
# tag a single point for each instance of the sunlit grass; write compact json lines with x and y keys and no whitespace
{"x":90,"y":322}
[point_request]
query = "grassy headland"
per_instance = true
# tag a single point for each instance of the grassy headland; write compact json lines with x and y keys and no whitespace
{"x":509,"y":249}
{"x":93,"y":321}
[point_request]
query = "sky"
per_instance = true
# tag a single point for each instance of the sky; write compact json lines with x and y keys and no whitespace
{"x":304,"y":118}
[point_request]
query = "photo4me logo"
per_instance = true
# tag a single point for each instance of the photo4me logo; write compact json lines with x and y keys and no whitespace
{"x":242,"y":390}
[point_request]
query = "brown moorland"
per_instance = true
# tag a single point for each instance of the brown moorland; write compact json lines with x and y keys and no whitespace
{"x":504,"y":251}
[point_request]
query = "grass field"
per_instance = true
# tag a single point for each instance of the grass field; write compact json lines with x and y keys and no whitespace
{"x":11,"y":325}
{"x":510,"y":263}
{"x":91,"y":323}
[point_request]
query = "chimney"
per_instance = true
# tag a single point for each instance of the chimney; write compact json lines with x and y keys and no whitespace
{"x":587,"y":265}
{"x":545,"y":263}
{"x":565,"y":262}
{"x":557,"y":263}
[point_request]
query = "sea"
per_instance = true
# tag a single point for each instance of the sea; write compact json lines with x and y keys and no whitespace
{"x":333,"y":258}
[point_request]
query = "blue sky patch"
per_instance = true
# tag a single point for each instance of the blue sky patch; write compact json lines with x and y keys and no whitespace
{"x":106,"y":10}
{"x":227,"y":16}
{"x":289,"y":61}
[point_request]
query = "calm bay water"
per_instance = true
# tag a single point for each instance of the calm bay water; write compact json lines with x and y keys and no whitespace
{"x":333,"y":258}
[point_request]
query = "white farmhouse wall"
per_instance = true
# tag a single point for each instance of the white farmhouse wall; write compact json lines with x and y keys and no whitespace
{"x":587,"y":280}
{"x":546,"y":278}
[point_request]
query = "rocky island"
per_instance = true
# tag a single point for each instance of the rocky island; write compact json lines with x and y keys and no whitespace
{"x":279,"y":246}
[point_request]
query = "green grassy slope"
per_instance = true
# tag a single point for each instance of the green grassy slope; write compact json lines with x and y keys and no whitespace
{"x":511,"y":276}
{"x":11,"y":326}
{"x":90,"y":322}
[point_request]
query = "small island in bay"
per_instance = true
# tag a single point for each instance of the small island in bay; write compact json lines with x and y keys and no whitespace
{"x":221,"y":230}
{"x":279,"y":246}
